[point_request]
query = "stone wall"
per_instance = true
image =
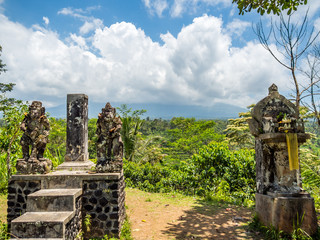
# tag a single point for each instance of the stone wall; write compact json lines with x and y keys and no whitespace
{"x":73,"y":227}
{"x":18,"y":192}
{"x":103,"y":200}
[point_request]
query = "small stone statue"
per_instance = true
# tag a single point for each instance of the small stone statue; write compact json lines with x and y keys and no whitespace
{"x":36,"y":129}
{"x":109,"y":144}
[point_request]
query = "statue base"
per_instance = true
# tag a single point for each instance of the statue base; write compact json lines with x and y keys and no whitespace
{"x":284,"y":211}
{"x":76,"y":165}
{"x":109,"y":165}
{"x":33,"y":166}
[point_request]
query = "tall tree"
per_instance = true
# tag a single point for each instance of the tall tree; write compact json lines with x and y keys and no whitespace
{"x":312,"y":73}
{"x":12,"y":114}
{"x":292,"y":41}
{"x":269,"y":6}
{"x":238,"y":133}
{"x":131,"y":123}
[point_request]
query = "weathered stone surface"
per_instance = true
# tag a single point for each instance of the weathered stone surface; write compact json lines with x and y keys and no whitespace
{"x":282,"y":212}
{"x":269,"y":113}
{"x":40,"y":224}
{"x":77,"y":127}
{"x":17,"y":202}
{"x":36,"y":129}
{"x":272,"y":118}
{"x":106,"y":209}
{"x":33,"y":166}
{"x":109,"y":144}
{"x":99,"y":200}
{"x":280,"y":198}
{"x":48,"y":200}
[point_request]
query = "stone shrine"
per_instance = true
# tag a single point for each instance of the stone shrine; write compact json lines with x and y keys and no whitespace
{"x":36,"y":128}
{"x":55,"y":204}
{"x":278,"y":132}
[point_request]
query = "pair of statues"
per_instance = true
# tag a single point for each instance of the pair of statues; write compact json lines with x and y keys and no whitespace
{"x":36,"y":129}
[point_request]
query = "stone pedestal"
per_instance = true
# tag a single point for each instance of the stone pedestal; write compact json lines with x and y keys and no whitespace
{"x":112,"y":165}
{"x":101,"y":196}
{"x":284,"y":211}
{"x":33,"y":166}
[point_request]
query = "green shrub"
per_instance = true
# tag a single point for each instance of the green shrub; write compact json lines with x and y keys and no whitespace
{"x":214,"y":172}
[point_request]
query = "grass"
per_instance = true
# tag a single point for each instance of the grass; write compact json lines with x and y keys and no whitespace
{"x":3,"y":208}
{"x":175,"y":199}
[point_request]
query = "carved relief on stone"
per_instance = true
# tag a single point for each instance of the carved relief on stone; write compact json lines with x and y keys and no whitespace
{"x":273,"y":118}
{"x":36,"y":128}
{"x":109,"y":144}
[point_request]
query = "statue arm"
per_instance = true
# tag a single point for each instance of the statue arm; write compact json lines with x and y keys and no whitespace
{"x":23,"y":126}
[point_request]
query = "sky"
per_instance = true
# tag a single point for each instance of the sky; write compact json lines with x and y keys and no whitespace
{"x":174,"y":52}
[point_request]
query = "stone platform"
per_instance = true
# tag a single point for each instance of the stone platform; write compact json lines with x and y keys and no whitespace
{"x":282,"y":210}
{"x":59,"y":201}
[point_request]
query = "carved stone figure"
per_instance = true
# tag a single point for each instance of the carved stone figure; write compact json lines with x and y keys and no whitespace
{"x":109,"y":144}
{"x":36,"y":129}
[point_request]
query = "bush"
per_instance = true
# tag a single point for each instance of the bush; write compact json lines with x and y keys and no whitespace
{"x":214,"y":172}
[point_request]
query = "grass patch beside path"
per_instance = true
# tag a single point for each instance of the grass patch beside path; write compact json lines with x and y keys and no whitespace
{"x":3,"y":208}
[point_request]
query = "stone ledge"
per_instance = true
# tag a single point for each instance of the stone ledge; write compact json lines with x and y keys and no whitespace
{"x":83,"y":175}
{"x":76,"y":165}
{"x":281,"y":137}
{"x":57,"y":192}
{"x":30,"y":217}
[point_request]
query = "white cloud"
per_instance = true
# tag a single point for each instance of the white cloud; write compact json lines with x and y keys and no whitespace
{"x":199,"y":66}
{"x":156,"y":6}
{"x":90,"y":23}
{"x":90,"y":26}
{"x":179,"y":7}
{"x":46,"y":20}
{"x":237,"y":27}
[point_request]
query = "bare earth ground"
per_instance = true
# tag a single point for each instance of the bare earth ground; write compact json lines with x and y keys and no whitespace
{"x":167,"y":216}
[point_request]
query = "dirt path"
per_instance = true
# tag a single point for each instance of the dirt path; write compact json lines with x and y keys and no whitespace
{"x":167,"y":216}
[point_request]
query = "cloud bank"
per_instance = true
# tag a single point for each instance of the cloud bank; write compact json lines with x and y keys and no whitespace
{"x":120,"y":63}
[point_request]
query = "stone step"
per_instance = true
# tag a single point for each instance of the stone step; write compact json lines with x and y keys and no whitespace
{"x":49,"y":200}
{"x":41,"y":225}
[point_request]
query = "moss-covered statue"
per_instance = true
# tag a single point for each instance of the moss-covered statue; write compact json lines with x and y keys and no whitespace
{"x":109,"y":144}
{"x":36,"y":128}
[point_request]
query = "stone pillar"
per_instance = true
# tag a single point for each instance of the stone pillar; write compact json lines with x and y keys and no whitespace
{"x":77,"y":127}
{"x":77,"y":133}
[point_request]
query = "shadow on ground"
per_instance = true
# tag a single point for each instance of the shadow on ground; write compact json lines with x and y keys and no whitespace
{"x":205,"y":221}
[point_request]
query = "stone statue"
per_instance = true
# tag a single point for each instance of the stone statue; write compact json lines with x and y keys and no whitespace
{"x":109,"y":144}
{"x":35,"y":127}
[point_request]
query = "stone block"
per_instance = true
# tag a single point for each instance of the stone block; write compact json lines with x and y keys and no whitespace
{"x":53,"y":200}
{"x":282,"y":212}
{"x":41,"y":224}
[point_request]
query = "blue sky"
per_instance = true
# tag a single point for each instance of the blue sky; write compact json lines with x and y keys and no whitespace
{"x":188,"y":52}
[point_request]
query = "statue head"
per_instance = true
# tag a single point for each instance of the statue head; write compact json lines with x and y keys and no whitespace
{"x":36,"y":110}
{"x":108,"y":111}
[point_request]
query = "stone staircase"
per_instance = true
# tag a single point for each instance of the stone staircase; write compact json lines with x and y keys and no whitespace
{"x":50,"y":214}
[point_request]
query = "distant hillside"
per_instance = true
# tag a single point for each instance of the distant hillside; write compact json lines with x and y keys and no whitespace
{"x":164,"y":111}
